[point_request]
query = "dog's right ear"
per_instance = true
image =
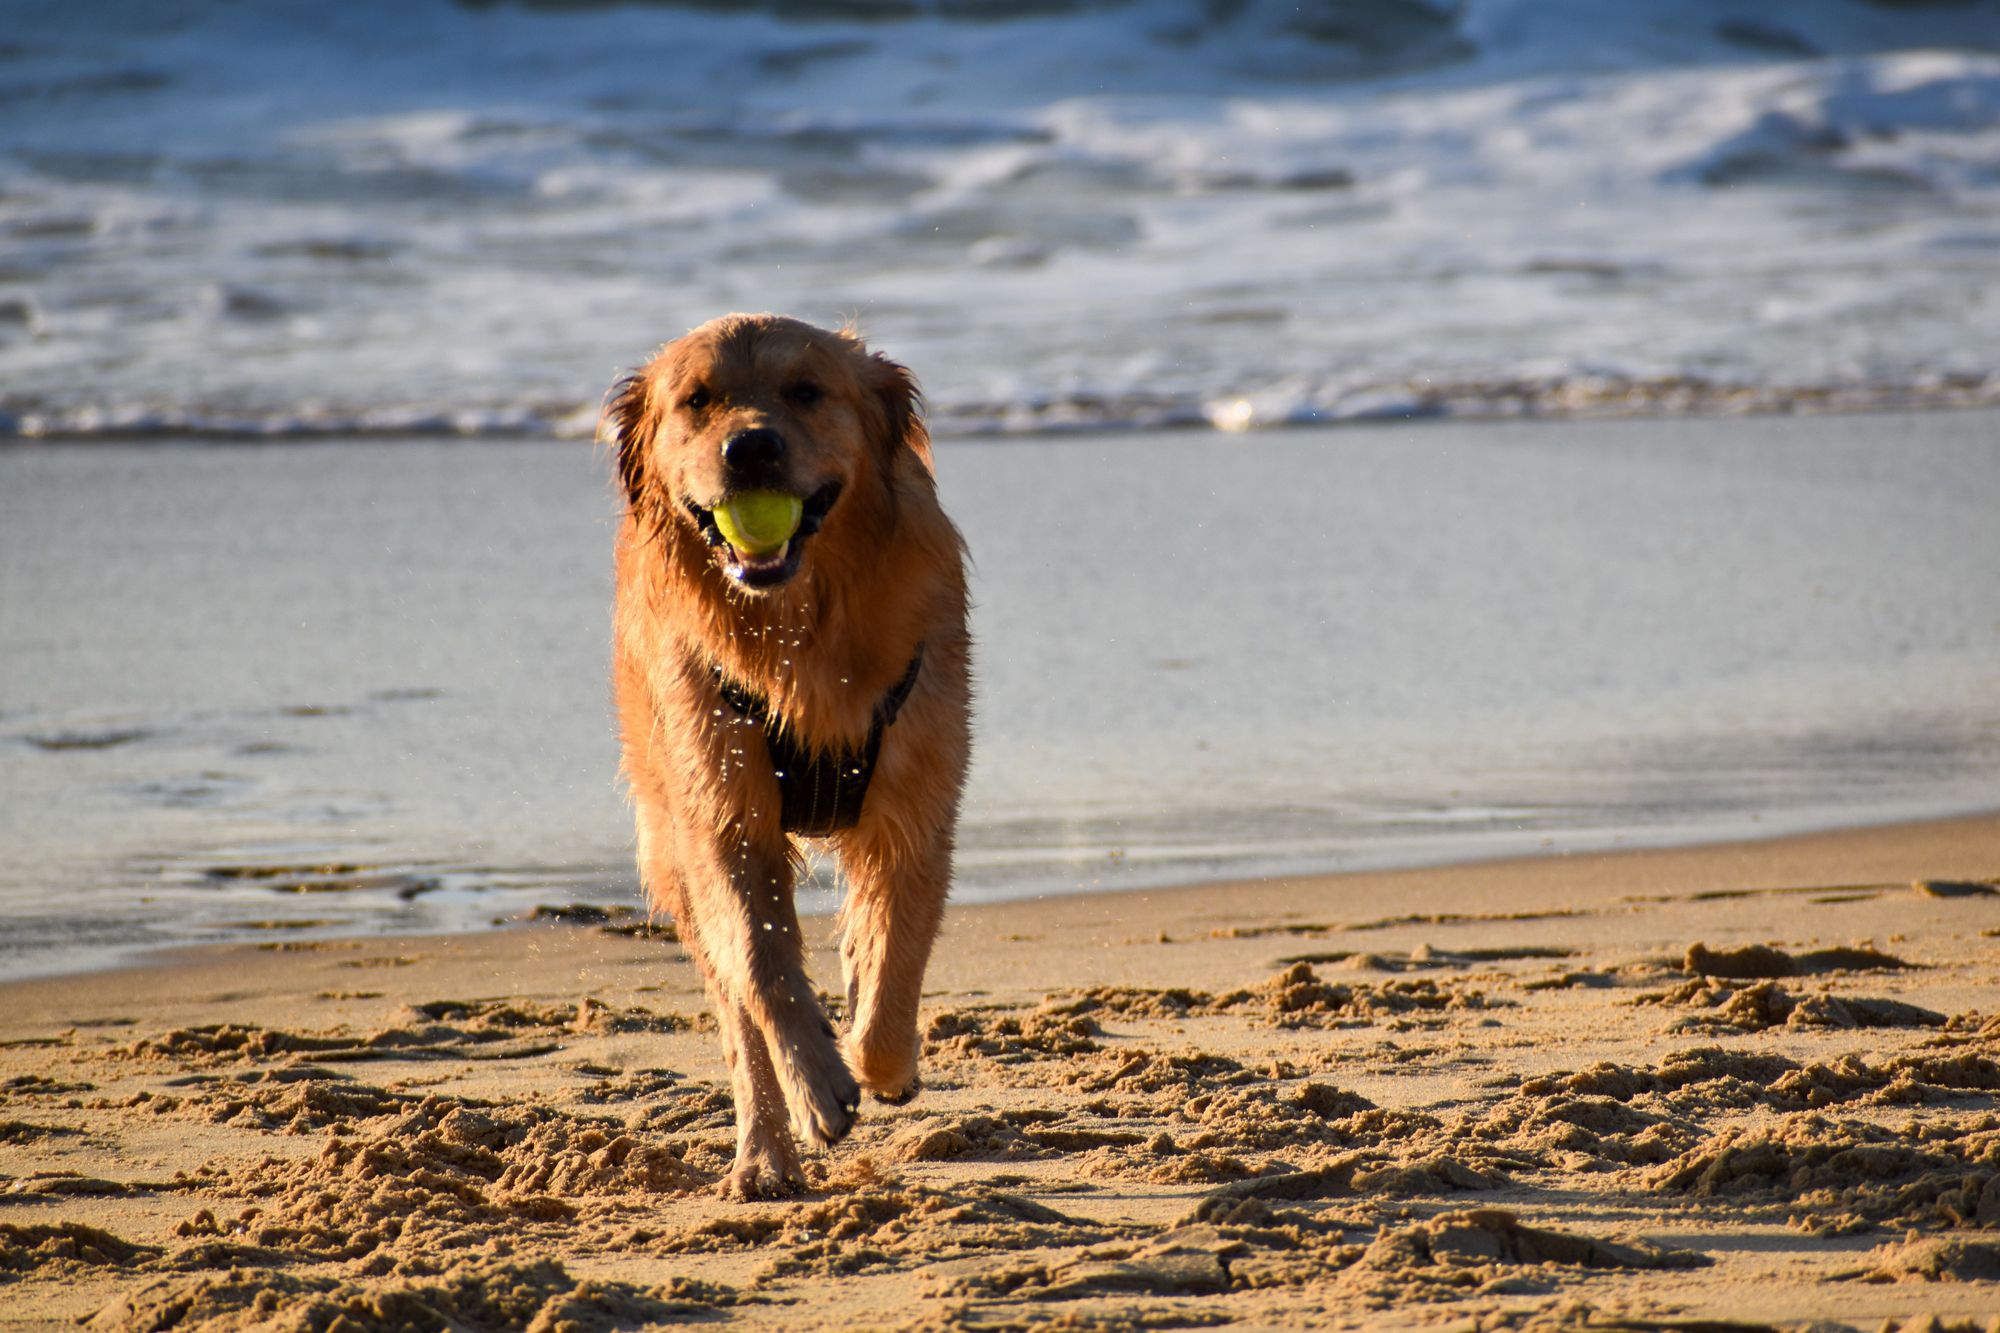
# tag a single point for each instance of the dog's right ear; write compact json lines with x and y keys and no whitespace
{"x":902,"y":406}
{"x":627,"y":427}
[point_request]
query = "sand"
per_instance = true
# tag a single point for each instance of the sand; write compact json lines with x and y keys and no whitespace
{"x":1737,"y":1086}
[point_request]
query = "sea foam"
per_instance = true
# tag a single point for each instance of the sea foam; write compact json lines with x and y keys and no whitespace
{"x":296,"y":219}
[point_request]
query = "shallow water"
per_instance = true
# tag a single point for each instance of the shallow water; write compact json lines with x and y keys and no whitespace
{"x":255,"y":691}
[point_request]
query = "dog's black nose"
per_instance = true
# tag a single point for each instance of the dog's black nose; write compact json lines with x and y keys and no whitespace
{"x":753,"y":452}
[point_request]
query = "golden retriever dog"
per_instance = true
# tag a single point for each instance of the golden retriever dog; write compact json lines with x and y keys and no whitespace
{"x":790,"y":658}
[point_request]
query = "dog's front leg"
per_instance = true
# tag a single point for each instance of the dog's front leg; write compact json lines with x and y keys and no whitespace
{"x":756,"y":958}
{"x":767,"y":1161}
{"x":895,"y":901}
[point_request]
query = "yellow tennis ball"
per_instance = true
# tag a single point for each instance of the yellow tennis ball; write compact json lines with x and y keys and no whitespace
{"x":759,"y":522}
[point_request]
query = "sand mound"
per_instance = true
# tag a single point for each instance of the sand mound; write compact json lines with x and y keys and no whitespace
{"x":1766,"y":1004}
{"x":539,"y":1297}
{"x":1495,"y":1236}
{"x":940,"y":1140}
{"x":1441,"y":1174}
{"x":440,"y":1029}
{"x":1594,"y":1132}
{"x":1754,"y":961}
{"x":1706,"y":1079}
{"x":63,"y":1245}
{"x":1482,"y":1250}
{"x":1183,"y":1262}
{"x":29,"y":1131}
{"x":483,"y":1017}
{"x":1185,"y":1073}
{"x":1838,"y":1176}
{"x":1936,"y":1259}
{"x":888,"y":1225}
{"x":1013,"y":1135}
{"x":1293,"y":998}
{"x":297,"y":1106}
{"x":1954,"y":888}
{"x":964,"y":1034}
{"x":444,"y":1177}
{"x":1266,"y":1118}
{"x":210,"y":1042}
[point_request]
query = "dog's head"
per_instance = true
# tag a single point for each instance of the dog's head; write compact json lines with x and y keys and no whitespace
{"x":760,"y":410}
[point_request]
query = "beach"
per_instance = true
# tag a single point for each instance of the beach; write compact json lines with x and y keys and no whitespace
{"x":1748,"y":1085}
{"x":1486,"y":669}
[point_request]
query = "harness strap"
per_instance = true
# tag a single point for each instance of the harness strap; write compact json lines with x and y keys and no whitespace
{"x":820,"y":792}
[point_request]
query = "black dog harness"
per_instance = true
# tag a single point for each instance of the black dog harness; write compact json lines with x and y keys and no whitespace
{"x":820,"y":793}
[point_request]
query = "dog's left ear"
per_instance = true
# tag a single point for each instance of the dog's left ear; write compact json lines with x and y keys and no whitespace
{"x":625,"y":427}
{"x":902,"y":409}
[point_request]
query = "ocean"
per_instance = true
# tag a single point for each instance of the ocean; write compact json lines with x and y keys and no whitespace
{"x":294,"y":218}
{"x":1272,"y":350}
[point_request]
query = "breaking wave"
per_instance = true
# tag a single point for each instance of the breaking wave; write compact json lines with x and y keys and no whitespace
{"x":295,"y":219}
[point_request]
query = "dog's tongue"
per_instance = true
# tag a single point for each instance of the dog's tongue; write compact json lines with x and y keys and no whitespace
{"x":758,"y":523}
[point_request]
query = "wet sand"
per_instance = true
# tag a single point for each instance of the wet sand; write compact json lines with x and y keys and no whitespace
{"x":1750,"y":1082}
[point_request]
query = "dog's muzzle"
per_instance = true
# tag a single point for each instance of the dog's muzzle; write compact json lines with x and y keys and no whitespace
{"x":773,"y":569}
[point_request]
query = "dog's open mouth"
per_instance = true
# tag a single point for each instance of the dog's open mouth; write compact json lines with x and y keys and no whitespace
{"x":774,"y":562}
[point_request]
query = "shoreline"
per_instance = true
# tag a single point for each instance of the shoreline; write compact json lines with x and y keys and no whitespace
{"x":1504,"y":1091}
{"x":1581,"y":400}
{"x":1792,"y":847}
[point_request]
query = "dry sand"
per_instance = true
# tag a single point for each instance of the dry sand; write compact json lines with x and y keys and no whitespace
{"x":1751,"y":1083}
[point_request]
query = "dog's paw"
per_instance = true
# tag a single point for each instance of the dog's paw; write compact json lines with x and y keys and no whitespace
{"x":824,"y":1108}
{"x":763,"y":1175}
{"x":822,"y":1096}
{"x":887,"y":1069}
{"x":749,"y":1183}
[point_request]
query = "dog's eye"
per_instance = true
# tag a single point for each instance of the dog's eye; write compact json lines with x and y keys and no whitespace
{"x":805,"y":393}
{"x":695,"y":401}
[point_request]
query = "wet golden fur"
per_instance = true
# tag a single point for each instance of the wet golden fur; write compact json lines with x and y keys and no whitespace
{"x":882,"y":575}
